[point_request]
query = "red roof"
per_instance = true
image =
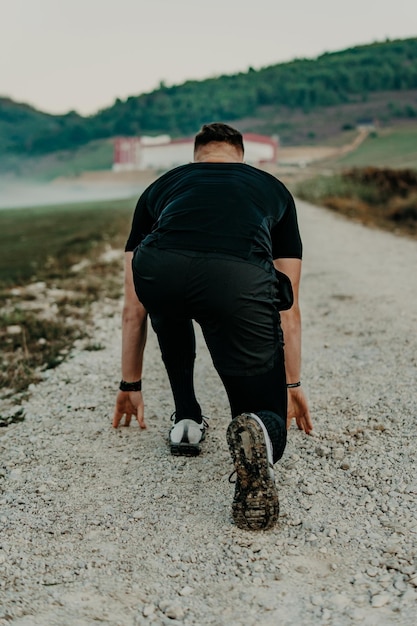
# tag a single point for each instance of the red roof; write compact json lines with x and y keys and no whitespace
{"x":259,"y":138}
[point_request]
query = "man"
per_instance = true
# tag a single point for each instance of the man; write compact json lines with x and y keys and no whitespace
{"x":206,"y":241}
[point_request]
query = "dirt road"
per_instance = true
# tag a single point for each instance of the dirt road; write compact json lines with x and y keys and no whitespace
{"x":104,"y":526}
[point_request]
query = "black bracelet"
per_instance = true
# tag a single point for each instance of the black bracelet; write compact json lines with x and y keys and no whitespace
{"x":136,"y":386}
{"x":292,"y":385}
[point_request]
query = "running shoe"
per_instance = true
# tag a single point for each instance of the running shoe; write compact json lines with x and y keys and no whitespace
{"x":255,"y":504}
{"x":186,"y":435}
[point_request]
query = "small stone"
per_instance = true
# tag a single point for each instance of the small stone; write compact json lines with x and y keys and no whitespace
{"x":267,"y":602}
{"x":293,"y":552}
{"x":148,"y":609}
{"x":256,"y":547}
{"x":186,"y":591}
{"x":174,"y":611}
{"x":344,"y":465}
{"x":338,"y":454}
{"x":14,"y":329}
{"x":372,"y":572}
{"x":326,"y":615}
{"x":340,"y":600}
{"x":401,"y":585}
{"x":316,"y":600}
{"x":393,"y":548}
{"x":357,"y":614}
{"x":308,"y":490}
{"x":381,"y":599}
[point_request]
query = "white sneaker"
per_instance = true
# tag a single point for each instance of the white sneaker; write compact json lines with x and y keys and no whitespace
{"x":255,"y":504}
{"x":185,"y":437}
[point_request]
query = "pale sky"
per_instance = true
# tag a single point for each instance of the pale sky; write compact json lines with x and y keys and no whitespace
{"x":60,"y":55}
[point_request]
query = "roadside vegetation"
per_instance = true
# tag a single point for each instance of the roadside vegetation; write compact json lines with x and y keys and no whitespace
{"x":381,"y":197}
{"x":55,"y":262}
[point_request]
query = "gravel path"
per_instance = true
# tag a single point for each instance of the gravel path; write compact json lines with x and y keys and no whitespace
{"x":104,"y":526}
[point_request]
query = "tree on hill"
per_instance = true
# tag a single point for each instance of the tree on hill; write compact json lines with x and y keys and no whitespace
{"x":332,"y":79}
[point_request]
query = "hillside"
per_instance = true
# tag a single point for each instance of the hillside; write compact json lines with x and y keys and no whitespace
{"x":387,"y":147}
{"x":21,"y":126}
{"x":306,"y":100}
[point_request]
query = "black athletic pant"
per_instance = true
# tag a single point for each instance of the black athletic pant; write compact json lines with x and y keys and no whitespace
{"x":235,"y":303}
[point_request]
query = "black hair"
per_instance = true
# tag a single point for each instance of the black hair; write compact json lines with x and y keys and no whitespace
{"x":217,"y":131}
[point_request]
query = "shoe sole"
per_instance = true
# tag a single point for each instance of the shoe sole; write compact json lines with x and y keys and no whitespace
{"x":185,"y":449}
{"x":255,"y":505}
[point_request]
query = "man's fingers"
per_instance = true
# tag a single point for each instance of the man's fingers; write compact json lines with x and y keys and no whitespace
{"x":141,"y":422}
{"x":304,"y":423}
{"x":116,"y":418}
{"x":308,"y":425}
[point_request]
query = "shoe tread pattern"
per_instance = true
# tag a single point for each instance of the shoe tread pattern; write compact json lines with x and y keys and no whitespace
{"x":255,"y":504}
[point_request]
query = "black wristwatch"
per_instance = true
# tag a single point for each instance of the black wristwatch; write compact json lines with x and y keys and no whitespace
{"x":136,"y":386}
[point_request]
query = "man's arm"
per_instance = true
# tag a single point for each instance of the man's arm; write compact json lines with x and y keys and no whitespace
{"x":291,"y":327}
{"x":134,"y":326}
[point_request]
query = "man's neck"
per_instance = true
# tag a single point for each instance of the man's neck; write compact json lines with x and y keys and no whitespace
{"x":218,"y":152}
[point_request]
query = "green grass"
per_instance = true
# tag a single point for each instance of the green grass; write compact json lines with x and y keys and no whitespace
{"x":43,"y":242}
{"x":395,"y":148}
{"x":96,"y":155}
{"x":39,"y":344}
{"x":319,"y":188}
{"x":384,"y":197}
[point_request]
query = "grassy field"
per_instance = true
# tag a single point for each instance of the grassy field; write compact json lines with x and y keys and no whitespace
{"x":393,"y":148}
{"x":45,"y":299}
{"x":383,"y":197}
{"x":43,"y":242}
{"x":96,"y":155}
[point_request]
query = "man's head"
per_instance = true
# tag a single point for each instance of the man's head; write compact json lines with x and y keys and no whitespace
{"x":218,"y":141}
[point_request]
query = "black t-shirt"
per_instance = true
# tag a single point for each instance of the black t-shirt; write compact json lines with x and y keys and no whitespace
{"x":226,"y":208}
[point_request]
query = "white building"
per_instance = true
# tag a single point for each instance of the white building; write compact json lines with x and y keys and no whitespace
{"x":163,"y":153}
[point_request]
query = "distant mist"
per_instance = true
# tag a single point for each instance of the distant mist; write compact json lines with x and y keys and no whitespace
{"x":27,"y":193}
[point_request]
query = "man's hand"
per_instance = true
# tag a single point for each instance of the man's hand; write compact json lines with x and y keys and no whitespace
{"x":129,"y":403}
{"x":298,"y":409}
